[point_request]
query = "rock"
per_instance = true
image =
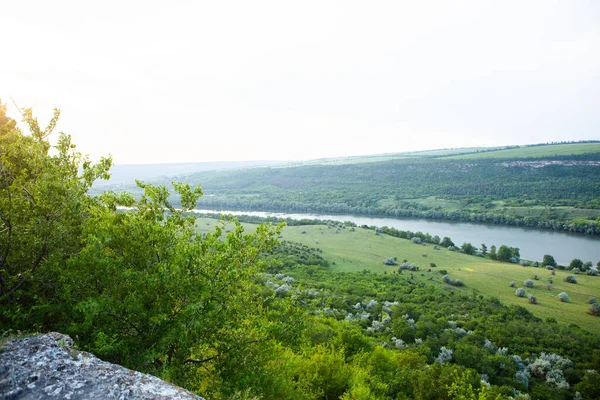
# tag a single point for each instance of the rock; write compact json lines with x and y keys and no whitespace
{"x":48,"y":367}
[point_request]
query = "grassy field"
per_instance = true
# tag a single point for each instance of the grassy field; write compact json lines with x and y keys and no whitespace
{"x":362,"y":249}
{"x":536,"y":151}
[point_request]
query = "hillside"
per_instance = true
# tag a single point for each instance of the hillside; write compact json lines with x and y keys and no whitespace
{"x":557,"y":192}
{"x":536,"y":151}
{"x":354,"y":251}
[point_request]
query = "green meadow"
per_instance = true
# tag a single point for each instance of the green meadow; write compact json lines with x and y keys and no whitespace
{"x":348,"y":251}
{"x":536,"y":151}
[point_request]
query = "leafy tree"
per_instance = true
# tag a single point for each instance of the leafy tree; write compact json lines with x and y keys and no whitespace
{"x":446,"y":242}
{"x":548,"y":260}
{"x":484,"y":249}
{"x":504,"y":253}
{"x":468,"y":248}
{"x":493,"y":254}
{"x":43,"y":203}
{"x":576,"y":263}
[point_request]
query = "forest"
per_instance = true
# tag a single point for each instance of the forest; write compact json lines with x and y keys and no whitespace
{"x":560,"y":192}
{"x":231,"y":313}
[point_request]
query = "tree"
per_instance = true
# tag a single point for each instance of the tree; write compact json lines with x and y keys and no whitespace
{"x":468,"y":248}
{"x":548,"y":260}
{"x":576,"y":263}
{"x":483,"y":249}
{"x":504,"y":253}
{"x":493,"y":254}
{"x":446,"y":242}
{"x":43,"y":203}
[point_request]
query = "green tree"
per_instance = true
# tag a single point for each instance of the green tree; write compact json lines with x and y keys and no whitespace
{"x":493,"y":254}
{"x":468,"y":248}
{"x":43,"y":203}
{"x":548,"y":260}
{"x":484,"y":249}
{"x":504,"y":253}
{"x":576,"y":263}
{"x":447,"y":242}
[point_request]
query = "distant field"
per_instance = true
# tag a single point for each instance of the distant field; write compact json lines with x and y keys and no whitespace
{"x":536,"y":151}
{"x":362,"y":249}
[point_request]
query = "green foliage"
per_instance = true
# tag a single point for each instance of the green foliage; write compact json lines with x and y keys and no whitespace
{"x":548,"y":260}
{"x":43,"y":203}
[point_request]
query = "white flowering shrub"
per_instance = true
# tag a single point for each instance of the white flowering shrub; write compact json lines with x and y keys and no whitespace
{"x":551,"y":367}
{"x":520,"y":292}
{"x":288,"y":279}
{"x":444,"y":356}
{"x":564,"y":297}
{"x":571,"y":279}
{"x":371,"y":304}
{"x":489,"y":345}
{"x":528,"y":283}
{"x":282,"y":290}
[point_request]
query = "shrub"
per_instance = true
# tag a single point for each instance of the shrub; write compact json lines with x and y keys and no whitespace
{"x":443,"y":271}
{"x":454,"y":282}
{"x":576,"y":271}
{"x":570,"y":279}
{"x":432,"y":265}
{"x":520,"y":292}
{"x":564,"y":297}
{"x":416,"y":240}
{"x":389,"y":261}
{"x":513,"y":284}
{"x":528,"y":283}
{"x":444,"y":356}
{"x":594,"y":309}
{"x":592,"y":300}
{"x":532,"y":299}
{"x":593,"y":271}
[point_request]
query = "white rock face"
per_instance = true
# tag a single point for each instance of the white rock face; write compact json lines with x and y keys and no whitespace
{"x":48,"y":367}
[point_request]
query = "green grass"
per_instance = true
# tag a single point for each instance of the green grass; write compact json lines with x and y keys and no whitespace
{"x":362,"y":249}
{"x":536,"y":151}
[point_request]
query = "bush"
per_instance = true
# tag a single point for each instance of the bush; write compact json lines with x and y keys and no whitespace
{"x":592,"y":300}
{"x":389,"y":261}
{"x":520,"y":292}
{"x":432,"y":265}
{"x":513,"y":284}
{"x":454,"y":282}
{"x":570,"y":279}
{"x":594,"y":309}
{"x":528,"y":283}
{"x":532,"y":299}
{"x":576,"y":271}
{"x":564,"y":297}
{"x":416,"y":240}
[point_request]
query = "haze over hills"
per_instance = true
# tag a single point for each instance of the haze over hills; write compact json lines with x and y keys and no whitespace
{"x":128,"y":173}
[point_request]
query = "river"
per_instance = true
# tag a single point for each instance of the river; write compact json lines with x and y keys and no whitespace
{"x":533,"y":243}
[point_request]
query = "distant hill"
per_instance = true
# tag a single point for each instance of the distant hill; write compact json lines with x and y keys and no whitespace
{"x":535,"y":151}
{"x":123,"y":175}
{"x":554,"y":186}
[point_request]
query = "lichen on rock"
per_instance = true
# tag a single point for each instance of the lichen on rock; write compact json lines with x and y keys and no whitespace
{"x":48,"y":366}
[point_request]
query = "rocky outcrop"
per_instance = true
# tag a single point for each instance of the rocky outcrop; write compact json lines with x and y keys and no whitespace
{"x":48,"y":367}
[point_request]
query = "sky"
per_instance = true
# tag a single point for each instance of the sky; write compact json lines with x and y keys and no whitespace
{"x":192,"y":81}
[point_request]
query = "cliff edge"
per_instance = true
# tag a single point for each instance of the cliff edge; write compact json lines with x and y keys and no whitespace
{"x":48,"y":367}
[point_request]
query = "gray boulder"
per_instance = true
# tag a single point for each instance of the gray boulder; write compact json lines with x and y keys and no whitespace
{"x":49,"y":367}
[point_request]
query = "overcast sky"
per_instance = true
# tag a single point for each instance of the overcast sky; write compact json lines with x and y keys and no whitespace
{"x":158,"y":81}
